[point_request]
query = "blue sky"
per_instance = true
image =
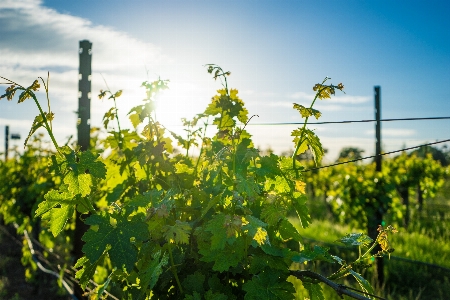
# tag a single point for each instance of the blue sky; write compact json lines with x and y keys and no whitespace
{"x":276,"y":51}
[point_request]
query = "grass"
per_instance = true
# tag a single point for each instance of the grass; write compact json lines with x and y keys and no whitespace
{"x":420,"y":266}
{"x":405,"y":279}
{"x":408,"y":244}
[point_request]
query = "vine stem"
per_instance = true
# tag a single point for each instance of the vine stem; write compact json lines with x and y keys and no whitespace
{"x":201,"y":148}
{"x":29,"y":92}
{"x":300,"y":142}
{"x":45,"y":120}
{"x":340,"y":289}
{"x":46,"y":93}
{"x":174,"y":271}
{"x":340,"y":273}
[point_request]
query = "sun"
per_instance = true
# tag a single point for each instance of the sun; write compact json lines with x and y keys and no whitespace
{"x":182,"y":100}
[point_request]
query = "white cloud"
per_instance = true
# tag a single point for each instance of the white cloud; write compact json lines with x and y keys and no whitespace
{"x":279,"y":104}
{"x":329,"y":107}
{"x":349,"y":99}
{"x":14,"y":4}
{"x":336,"y":103}
{"x":34,"y":36}
{"x":17,"y":124}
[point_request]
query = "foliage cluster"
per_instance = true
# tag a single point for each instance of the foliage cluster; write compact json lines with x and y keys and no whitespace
{"x":172,"y":226}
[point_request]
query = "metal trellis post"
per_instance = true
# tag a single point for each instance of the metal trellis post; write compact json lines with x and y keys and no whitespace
{"x":377,"y":218}
{"x":6,"y":142}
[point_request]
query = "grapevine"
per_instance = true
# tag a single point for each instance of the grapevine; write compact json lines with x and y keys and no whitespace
{"x":166,"y":225}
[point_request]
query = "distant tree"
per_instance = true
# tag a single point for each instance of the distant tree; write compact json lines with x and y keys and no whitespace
{"x":308,"y":155}
{"x":350,"y":153}
{"x":266,"y":151}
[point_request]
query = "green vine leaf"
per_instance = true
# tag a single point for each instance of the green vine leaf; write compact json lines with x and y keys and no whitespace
{"x":309,"y":140}
{"x":119,"y":236}
{"x":268,"y":166}
{"x":273,"y":213}
{"x":307,"y":112}
{"x":57,"y":216}
{"x":299,"y":204}
{"x":317,"y":253}
{"x":80,"y":169}
{"x":222,"y":229}
{"x":314,"y":290}
{"x":288,"y":231}
{"x":151,"y":266}
{"x":255,"y":228}
{"x":78,"y":183}
{"x":365,"y":285}
{"x":87,"y":271}
{"x":90,"y":163}
{"x":37,"y":123}
{"x":52,"y":199}
{"x":356,"y":239}
{"x":247,"y":185}
{"x":224,"y":254}
{"x":268,"y":286}
{"x":178,"y":233}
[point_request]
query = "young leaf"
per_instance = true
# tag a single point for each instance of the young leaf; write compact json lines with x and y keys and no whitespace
{"x":52,"y":199}
{"x":59,"y":217}
{"x":318,"y":253}
{"x":178,"y":233}
{"x":307,"y":112}
{"x":356,"y":239}
{"x":37,"y":123}
{"x":78,"y":183}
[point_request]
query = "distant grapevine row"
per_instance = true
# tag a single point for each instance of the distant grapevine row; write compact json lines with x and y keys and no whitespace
{"x":353,"y":191}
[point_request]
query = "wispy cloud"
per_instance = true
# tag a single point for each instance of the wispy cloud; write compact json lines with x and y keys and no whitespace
{"x":34,"y":36}
{"x":390,"y":132}
{"x":302,"y":96}
{"x":347,"y":99}
{"x":321,"y":106}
